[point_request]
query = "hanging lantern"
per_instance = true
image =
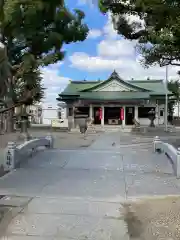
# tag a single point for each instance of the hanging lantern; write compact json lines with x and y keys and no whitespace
{"x":122,"y":114}
{"x":100,"y":113}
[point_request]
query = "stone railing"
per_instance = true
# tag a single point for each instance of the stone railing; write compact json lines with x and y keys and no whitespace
{"x":15,"y":154}
{"x":170,"y":151}
{"x":136,"y":123}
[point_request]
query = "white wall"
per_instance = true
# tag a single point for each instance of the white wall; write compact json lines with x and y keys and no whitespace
{"x":49,"y":115}
{"x":64,"y":113}
{"x":146,"y":121}
{"x":176,"y":110}
{"x":49,"y":112}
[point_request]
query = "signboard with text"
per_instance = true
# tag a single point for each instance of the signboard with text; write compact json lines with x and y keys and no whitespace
{"x":59,"y":123}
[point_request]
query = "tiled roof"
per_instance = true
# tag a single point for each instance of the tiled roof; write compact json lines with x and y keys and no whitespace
{"x":152,"y":85}
{"x":77,"y":86}
{"x":113,"y":95}
{"x":143,"y":88}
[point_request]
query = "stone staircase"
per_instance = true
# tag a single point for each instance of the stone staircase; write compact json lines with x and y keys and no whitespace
{"x":157,"y":129}
{"x":106,"y":128}
{"x":127,"y":129}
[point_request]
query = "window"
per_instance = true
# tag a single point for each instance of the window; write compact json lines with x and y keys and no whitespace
{"x":161,"y":113}
{"x":143,"y":111}
{"x":130,"y":110}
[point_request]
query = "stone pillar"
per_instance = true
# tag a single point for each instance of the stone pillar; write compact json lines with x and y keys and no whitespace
{"x":51,"y":141}
{"x":164,"y":112}
{"x":70,"y":117}
{"x":73,"y":123}
{"x":102,"y":120}
{"x":67,"y":111}
{"x":91,"y":111}
{"x":124,"y":120}
{"x":157,"y":144}
{"x":157,"y":114}
{"x":136,"y":113}
{"x":10,"y":160}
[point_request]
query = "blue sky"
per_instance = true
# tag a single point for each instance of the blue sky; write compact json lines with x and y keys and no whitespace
{"x":95,"y":20}
{"x":96,"y":57}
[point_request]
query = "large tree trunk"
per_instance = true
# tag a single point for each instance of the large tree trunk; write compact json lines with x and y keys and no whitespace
{"x":10,"y":121}
{"x":2,"y":124}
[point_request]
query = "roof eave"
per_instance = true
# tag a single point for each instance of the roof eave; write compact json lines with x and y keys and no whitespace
{"x":125,"y":83}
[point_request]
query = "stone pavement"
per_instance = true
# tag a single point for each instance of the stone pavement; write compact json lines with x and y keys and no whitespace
{"x":76,"y":193}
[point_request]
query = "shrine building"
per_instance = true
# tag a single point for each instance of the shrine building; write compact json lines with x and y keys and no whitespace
{"x":116,"y":101}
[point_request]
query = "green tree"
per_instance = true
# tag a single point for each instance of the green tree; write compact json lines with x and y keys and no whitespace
{"x":34,"y":32}
{"x":154,"y":24}
{"x":174,"y":87}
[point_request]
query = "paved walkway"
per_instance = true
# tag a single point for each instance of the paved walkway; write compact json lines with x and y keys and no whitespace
{"x":76,"y":194}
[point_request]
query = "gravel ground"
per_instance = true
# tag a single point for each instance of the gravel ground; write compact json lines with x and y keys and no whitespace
{"x":154,"y":218}
{"x":62,"y":140}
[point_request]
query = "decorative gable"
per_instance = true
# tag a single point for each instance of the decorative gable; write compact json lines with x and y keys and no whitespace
{"x":114,"y":86}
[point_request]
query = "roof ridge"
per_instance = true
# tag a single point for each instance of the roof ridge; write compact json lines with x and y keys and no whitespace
{"x":134,"y":80}
{"x":152,"y":80}
{"x":87,"y":81}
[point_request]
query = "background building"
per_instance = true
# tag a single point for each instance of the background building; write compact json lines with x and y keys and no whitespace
{"x":108,"y":98}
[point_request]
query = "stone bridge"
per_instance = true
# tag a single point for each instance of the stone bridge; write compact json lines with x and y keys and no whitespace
{"x":76,"y":193}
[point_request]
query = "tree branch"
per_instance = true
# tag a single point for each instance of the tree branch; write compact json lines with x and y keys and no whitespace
{"x":137,"y":35}
{"x":175,"y":64}
{"x":28,"y":94}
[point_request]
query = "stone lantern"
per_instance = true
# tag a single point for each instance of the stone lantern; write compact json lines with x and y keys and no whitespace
{"x":152,"y":117}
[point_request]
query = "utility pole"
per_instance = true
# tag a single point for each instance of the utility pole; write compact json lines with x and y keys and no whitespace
{"x":166,"y":99}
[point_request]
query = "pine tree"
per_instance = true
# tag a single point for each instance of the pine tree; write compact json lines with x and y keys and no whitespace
{"x":155,"y":24}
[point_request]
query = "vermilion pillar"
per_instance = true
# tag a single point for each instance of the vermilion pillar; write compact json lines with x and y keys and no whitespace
{"x":102,"y":115}
{"x":122,"y":113}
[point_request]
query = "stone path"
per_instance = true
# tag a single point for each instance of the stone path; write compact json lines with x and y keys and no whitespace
{"x":76,"y":193}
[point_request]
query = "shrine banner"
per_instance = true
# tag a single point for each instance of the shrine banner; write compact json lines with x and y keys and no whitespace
{"x":122,"y":114}
{"x":100,"y":113}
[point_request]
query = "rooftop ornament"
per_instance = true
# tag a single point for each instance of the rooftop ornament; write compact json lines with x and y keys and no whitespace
{"x":114,"y":74}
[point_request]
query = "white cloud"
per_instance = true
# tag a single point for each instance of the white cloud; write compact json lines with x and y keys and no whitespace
{"x":55,"y":66}
{"x":94,"y":33}
{"x":114,"y":52}
{"x":93,"y":64}
{"x":116,"y":48}
{"x":108,"y":30}
{"x":53,"y":83}
{"x":135,"y":18}
{"x":91,"y":3}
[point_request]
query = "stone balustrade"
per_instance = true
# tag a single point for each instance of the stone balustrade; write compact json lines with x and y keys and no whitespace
{"x":15,"y":154}
{"x":170,"y":151}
